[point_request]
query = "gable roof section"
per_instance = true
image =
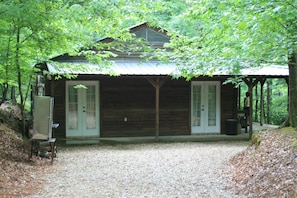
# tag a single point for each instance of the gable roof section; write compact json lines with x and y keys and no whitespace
{"x":156,"y":37}
{"x":135,"y":66}
{"x":143,"y":30}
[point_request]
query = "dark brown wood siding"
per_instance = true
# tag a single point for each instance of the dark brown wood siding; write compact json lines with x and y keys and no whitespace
{"x":175,"y":107}
{"x":56,"y":89}
{"x":134,"y":99}
{"x":127,"y":105}
{"x":228,"y":104}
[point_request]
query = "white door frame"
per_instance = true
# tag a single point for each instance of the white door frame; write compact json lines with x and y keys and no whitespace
{"x":206,"y":125}
{"x":81,"y":130}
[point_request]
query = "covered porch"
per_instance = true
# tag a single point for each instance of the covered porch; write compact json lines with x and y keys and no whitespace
{"x":167,"y":139}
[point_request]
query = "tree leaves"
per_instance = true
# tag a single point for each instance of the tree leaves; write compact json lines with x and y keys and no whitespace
{"x":35,"y":31}
{"x":237,"y":34}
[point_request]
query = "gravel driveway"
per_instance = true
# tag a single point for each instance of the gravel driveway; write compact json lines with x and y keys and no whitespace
{"x":141,"y":170}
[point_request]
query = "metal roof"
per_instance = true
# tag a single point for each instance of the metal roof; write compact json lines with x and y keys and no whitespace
{"x":267,"y":70}
{"x":151,"y":68}
{"x":123,"y":67}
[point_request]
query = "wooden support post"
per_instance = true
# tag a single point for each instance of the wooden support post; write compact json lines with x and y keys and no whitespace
{"x":262,"y":82}
{"x":251,"y":83}
{"x":157,"y":83}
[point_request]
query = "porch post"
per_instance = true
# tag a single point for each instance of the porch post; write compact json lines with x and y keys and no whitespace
{"x":157,"y":83}
{"x":251,"y":83}
{"x":262,"y":82}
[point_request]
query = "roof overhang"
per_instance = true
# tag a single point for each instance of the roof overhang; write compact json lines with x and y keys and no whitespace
{"x":151,"y":68}
{"x":116,"y":68}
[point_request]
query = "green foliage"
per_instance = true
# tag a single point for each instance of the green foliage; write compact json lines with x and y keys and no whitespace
{"x":279,"y":110}
{"x":33,"y":31}
{"x":278,"y":116}
{"x":230,"y":35}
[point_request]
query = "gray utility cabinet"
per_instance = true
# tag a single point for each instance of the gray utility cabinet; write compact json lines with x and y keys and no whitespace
{"x":43,"y":117}
{"x":42,"y":141}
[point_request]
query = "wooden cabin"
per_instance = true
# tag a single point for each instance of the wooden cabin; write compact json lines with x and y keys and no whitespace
{"x":139,"y":99}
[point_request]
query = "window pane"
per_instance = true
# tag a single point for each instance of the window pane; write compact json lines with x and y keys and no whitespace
{"x":212,"y":106}
{"x":91,"y":108}
{"x":196,"y":105}
{"x":73,"y":108}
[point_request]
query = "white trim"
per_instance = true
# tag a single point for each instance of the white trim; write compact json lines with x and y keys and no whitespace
{"x":81,"y":132}
{"x":204,"y":128}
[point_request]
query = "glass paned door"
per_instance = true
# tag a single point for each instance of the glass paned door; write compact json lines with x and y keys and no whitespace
{"x":205,"y":113}
{"x":82,"y":108}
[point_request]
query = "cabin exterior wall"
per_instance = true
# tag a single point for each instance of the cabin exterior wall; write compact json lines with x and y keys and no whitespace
{"x":127,"y":105}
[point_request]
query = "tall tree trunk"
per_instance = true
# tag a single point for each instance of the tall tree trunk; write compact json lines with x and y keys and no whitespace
{"x":13,"y":96}
{"x":19,"y":73}
{"x":4,"y":92}
{"x":293,"y":90}
{"x":5,"y":85}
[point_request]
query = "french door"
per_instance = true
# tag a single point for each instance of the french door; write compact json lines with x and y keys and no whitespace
{"x":205,"y":110}
{"x":82,"y":108}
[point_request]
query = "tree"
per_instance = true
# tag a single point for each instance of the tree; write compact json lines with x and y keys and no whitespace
{"x":33,"y":31}
{"x":234,"y":34}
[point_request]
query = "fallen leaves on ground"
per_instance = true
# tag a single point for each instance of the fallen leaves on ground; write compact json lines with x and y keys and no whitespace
{"x":267,"y":168}
{"x":17,"y":174}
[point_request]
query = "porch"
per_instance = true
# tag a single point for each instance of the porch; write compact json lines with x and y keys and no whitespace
{"x":167,"y":139}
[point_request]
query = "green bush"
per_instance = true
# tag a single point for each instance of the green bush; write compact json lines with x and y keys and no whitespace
{"x":279,"y":112}
{"x":278,"y":116}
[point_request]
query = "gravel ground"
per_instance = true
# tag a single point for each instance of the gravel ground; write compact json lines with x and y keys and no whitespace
{"x":141,"y":170}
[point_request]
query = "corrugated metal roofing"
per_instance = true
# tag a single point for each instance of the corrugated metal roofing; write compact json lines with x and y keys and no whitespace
{"x":117,"y":68}
{"x":154,"y":68}
{"x":267,"y":70}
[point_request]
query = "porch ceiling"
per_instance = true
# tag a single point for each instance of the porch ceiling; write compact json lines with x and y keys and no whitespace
{"x":151,"y":68}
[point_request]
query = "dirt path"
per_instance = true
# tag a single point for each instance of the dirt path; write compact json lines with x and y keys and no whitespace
{"x":141,"y":170}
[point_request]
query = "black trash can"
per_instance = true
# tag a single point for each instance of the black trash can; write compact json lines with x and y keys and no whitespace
{"x":231,"y":126}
